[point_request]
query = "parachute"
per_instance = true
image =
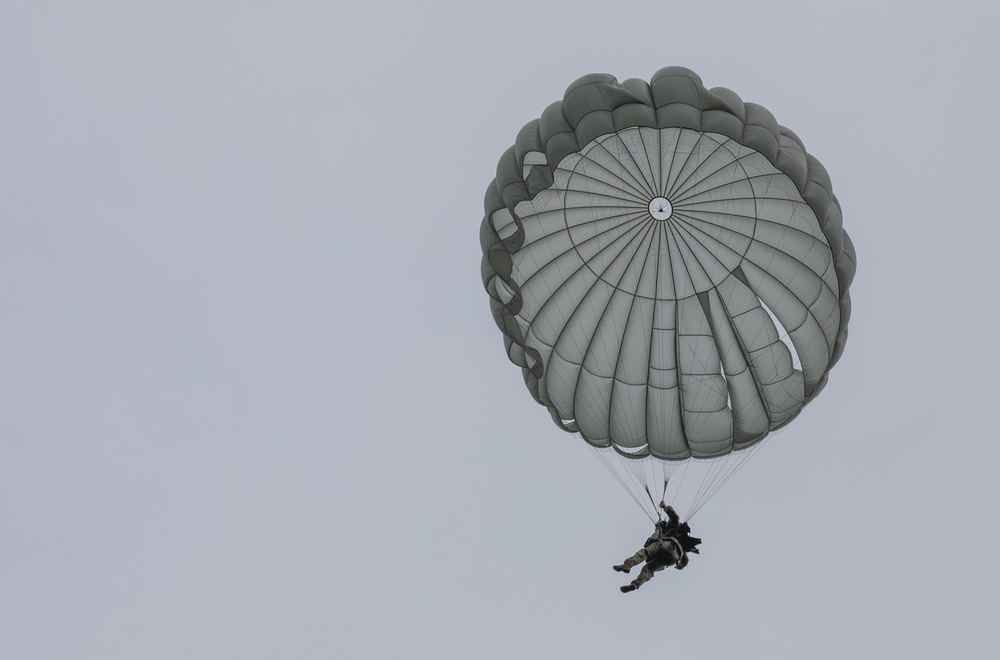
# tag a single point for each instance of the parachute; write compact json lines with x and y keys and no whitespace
{"x":669,"y":269}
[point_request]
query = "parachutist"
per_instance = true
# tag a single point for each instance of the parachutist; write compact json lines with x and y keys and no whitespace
{"x":668,"y":546}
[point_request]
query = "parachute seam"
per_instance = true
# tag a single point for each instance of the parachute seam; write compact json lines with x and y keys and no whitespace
{"x":660,"y":236}
{"x":576,"y":310}
{"x":687,"y":158}
{"x":736,"y":160}
{"x":785,"y":289}
{"x":676,"y":230}
{"x":590,"y":343}
{"x":681,"y":186}
{"x":584,"y":265}
{"x":635,"y":184}
{"x":622,"y":346}
{"x":672,"y":245}
{"x":643,"y":183}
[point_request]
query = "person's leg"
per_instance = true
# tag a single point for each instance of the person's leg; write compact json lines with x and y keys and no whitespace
{"x":644,"y":576}
{"x":637,"y":558}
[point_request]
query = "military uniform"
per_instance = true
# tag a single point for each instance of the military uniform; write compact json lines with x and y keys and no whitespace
{"x":661,"y":550}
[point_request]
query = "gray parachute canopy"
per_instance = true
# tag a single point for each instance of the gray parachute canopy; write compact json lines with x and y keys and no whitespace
{"x":667,"y":265}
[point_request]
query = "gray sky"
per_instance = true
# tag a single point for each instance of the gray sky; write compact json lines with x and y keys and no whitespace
{"x":253,"y":405}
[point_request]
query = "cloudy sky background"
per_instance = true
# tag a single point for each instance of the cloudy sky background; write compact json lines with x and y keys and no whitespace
{"x":253,"y":404}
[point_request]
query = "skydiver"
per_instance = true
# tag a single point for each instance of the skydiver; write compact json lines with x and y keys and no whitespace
{"x":668,"y":546}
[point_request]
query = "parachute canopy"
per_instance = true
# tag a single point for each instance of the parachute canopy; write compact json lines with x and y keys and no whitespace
{"x":667,"y":265}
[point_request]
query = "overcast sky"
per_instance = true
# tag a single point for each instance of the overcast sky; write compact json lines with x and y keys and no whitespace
{"x":253,"y":403}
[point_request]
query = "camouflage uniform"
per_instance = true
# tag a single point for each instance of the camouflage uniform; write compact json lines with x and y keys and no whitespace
{"x":657,"y":555}
{"x":661,"y":550}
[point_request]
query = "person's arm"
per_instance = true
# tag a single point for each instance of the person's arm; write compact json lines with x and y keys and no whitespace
{"x":671,"y":514}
